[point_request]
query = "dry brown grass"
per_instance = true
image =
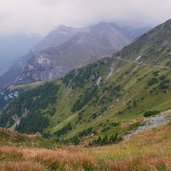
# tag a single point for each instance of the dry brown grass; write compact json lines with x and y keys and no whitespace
{"x":55,"y":159}
{"x":68,"y":159}
{"x":21,"y":166}
{"x":138,"y":163}
{"x":148,"y":151}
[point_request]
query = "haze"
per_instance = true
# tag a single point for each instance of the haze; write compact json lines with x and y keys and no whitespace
{"x":41,"y":16}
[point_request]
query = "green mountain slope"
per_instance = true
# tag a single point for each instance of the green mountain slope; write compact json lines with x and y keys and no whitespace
{"x":153,"y":47}
{"x":107,"y":98}
{"x":15,"y":139}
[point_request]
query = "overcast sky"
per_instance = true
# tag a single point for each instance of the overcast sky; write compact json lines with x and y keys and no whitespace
{"x":42,"y":16}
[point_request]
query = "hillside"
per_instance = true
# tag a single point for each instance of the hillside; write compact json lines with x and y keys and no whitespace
{"x":149,"y":150}
{"x":152,"y":48}
{"x":104,"y":100}
{"x":67,"y":48}
{"x":14,"y":139}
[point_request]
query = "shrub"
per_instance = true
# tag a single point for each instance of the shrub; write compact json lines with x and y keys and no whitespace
{"x":64,"y":130}
{"x":150,"y":113}
{"x":106,"y":140}
{"x":75,"y":140}
{"x":105,"y":129}
{"x":94,"y":115}
{"x":134,"y":126}
{"x":155,"y":73}
{"x":152,"y":81}
{"x":164,"y":85}
{"x":85,"y":98}
{"x":86,"y":132}
{"x":115,"y":124}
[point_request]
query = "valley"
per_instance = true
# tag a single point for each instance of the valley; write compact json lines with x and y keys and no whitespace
{"x":97,"y":100}
{"x":113,"y":113}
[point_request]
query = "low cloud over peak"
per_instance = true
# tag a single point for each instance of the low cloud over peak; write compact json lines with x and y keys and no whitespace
{"x":41,"y":16}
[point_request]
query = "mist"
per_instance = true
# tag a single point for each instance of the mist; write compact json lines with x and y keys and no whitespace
{"x":42,"y":16}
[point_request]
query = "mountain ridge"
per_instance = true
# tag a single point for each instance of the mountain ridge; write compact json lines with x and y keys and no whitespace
{"x":79,"y":45}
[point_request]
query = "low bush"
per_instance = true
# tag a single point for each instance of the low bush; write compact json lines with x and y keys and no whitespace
{"x":115,"y":124}
{"x":152,"y":81}
{"x":151,"y":113}
{"x":64,"y":130}
{"x":106,"y":140}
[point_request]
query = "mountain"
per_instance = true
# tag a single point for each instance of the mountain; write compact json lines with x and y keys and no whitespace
{"x":153,"y":47}
{"x":67,"y":48}
{"x":100,"y":103}
{"x":12,"y":47}
{"x":57,"y":37}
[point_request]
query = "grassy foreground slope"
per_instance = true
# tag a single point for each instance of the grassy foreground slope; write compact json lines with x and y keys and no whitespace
{"x":15,"y":139}
{"x":146,"y":151}
{"x":105,"y":100}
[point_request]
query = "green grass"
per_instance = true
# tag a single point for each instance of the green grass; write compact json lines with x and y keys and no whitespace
{"x":27,"y":86}
{"x":11,"y":138}
{"x":128,"y":104}
{"x":132,"y":90}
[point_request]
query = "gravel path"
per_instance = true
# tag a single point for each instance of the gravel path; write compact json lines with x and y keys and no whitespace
{"x":141,"y":63}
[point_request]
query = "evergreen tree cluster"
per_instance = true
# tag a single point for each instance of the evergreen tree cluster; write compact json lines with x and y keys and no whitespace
{"x":100,"y":141}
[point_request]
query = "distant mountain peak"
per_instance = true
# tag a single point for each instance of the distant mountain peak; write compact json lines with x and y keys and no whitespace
{"x":66,"y":48}
{"x":64,"y":27}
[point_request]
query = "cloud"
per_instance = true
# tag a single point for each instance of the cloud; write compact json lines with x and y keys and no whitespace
{"x":41,"y":16}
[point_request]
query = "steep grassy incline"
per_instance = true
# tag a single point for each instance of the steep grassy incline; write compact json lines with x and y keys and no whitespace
{"x":102,"y":101}
{"x":91,"y":101}
{"x":149,"y":150}
{"x":15,"y":139}
{"x":153,"y":47}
